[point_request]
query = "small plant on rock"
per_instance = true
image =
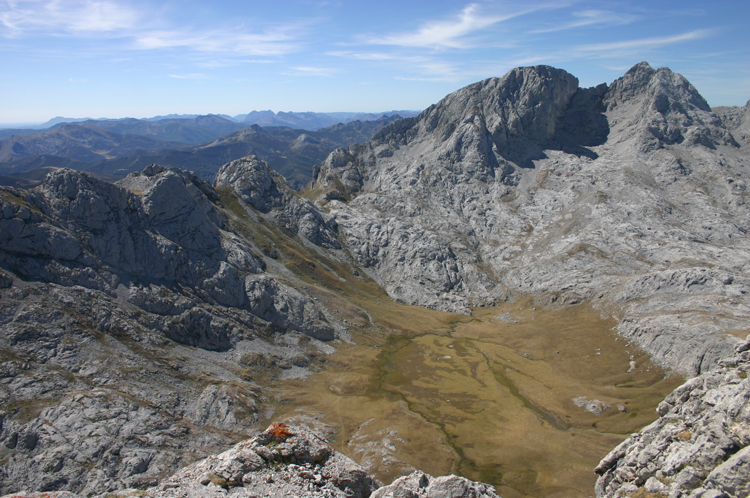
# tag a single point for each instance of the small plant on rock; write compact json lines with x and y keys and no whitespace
{"x":279,"y":430}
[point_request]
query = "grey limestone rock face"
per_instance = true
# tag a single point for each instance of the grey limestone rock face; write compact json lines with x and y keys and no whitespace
{"x":737,"y":121}
{"x":662,"y":107}
{"x":631,"y":196}
{"x":156,"y":231}
{"x":293,"y":461}
{"x":94,"y":397}
{"x":699,"y":447}
{"x":301,"y":464}
{"x":421,"y":485}
{"x":169,"y":232}
{"x":286,"y":308}
{"x":126,"y":312}
{"x":99,"y":438}
{"x":267,"y":191}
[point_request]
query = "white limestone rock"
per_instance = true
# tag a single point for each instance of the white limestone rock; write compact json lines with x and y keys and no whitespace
{"x":421,"y":485}
{"x":267,"y":191}
{"x":301,"y":464}
{"x":699,"y":446}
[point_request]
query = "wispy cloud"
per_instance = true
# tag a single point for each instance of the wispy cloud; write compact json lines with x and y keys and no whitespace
{"x":192,"y":76}
{"x":237,"y":42}
{"x":446,"y":34}
{"x":214,"y":63}
{"x":645,"y":43}
{"x":65,"y":16}
{"x":435,"y":70}
{"x":141,"y":29}
{"x":427,"y":68}
{"x":366,"y":56}
{"x":312,"y":71}
{"x":588,"y":18}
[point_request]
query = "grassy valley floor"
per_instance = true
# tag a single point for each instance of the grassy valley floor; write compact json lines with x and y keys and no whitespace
{"x":489,"y":397}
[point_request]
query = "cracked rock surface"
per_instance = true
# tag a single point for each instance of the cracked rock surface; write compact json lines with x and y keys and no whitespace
{"x":300,"y":464}
{"x":268,"y":192}
{"x":421,"y":485}
{"x":699,"y":447}
{"x":296,"y":462}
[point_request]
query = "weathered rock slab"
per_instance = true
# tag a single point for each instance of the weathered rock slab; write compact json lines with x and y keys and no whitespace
{"x":699,"y":447}
{"x":421,"y":485}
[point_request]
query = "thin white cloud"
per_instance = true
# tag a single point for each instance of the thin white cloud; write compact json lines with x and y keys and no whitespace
{"x":142,"y":29}
{"x":231,"y":62}
{"x":237,"y":42}
{"x":446,"y":34}
{"x":192,"y":76}
{"x":429,"y":68}
{"x":313,"y":71}
{"x":65,"y":16}
{"x":367,"y":56}
{"x":645,"y":43}
{"x":434,"y":70}
{"x":589,"y":18}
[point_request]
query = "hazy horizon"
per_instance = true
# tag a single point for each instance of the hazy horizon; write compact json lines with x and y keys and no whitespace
{"x":178,"y":116}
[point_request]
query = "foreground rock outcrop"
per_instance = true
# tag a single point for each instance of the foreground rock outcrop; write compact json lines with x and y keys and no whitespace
{"x":290,"y":461}
{"x":700,"y":447}
{"x":282,"y":461}
{"x":421,"y":485}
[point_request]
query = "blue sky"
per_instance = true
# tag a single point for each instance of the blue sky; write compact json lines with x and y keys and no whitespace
{"x":112,"y":58}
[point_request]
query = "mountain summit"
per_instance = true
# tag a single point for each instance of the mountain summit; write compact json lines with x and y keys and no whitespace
{"x":630,"y":195}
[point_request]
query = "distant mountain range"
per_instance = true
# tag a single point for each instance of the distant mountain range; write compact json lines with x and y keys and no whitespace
{"x":200,"y":143}
{"x":314,"y":120}
{"x":83,"y":142}
{"x":193,"y":130}
{"x":301,"y":120}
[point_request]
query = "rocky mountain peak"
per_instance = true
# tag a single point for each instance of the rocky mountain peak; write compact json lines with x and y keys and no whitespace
{"x":661,"y":84}
{"x":478,"y":130}
{"x":660,"y":107}
{"x":526,"y":102}
{"x":498,"y":188}
{"x":259,"y":186}
{"x":254,"y":182}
